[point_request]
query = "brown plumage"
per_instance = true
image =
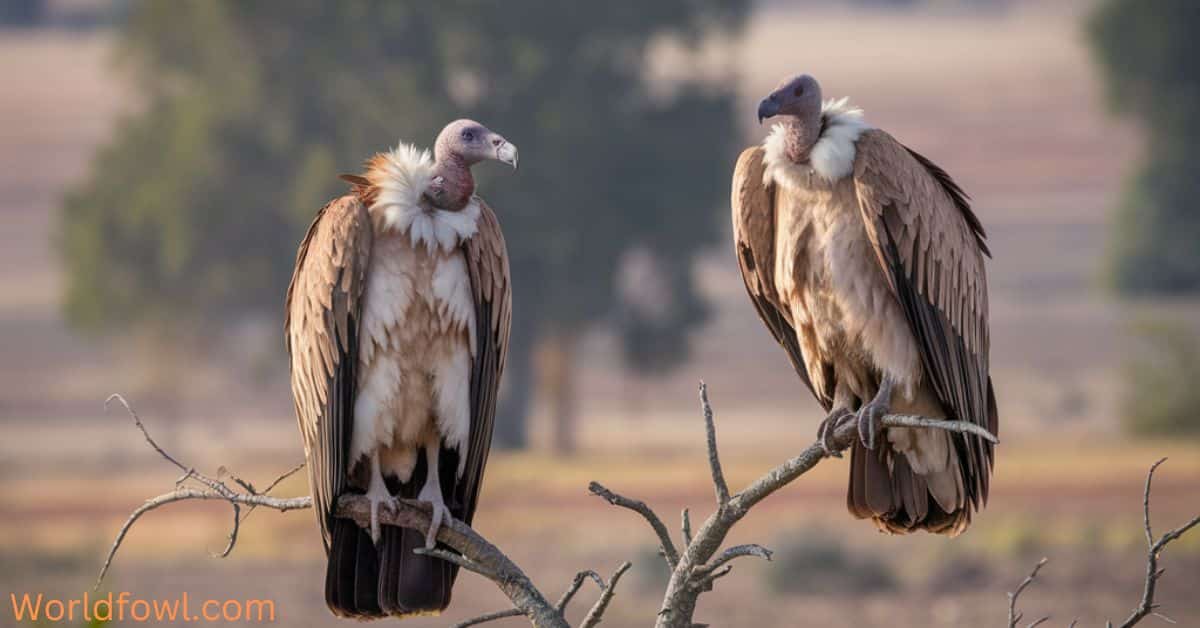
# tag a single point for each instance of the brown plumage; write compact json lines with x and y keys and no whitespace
{"x":398,"y":317}
{"x":865,"y":262}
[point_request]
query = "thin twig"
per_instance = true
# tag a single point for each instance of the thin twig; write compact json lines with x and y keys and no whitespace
{"x":483,"y":619}
{"x":912,"y":420}
{"x":640,"y":507}
{"x":1013,"y":615}
{"x":592,"y":619}
{"x":737,"y":551}
{"x":714,"y":458}
{"x":1147,"y":606}
{"x":474,"y":553}
{"x":574,"y":588}
{"x":687,"y":528}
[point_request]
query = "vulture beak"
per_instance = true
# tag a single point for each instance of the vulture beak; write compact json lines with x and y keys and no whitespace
{"x":506,"y":152}
{"x":767,"y":108}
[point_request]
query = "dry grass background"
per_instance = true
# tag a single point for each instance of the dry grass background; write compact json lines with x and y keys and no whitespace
{"x":1009,"y":103}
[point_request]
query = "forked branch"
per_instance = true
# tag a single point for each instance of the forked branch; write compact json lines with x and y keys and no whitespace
{"x":1146,"y":606}
{"x":695,"y":569}
{"x":471,"y":551}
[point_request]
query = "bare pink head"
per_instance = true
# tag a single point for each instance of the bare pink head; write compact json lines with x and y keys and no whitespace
{"x":460,"y":145}
{"x":469,"y":142}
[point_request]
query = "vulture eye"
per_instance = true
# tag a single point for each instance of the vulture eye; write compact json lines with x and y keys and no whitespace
{"x":799,"y":91}
{"x":468,"y":135}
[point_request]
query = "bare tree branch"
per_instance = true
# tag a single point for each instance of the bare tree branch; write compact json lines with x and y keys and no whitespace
{"x":593,"y":617}
{"x":483,"y":619}
{"x":575,"y":585}
{"x":714,"y":459}
{"x":471,"y":551}
{"x":737,"y":551}
{"x":691,"y":574}
{"x":1153,"y":573}
{"x":693,"y":569}
{"x":1014,"y":615}
{"x":640,"y":507}
{"x":1146,"y":606}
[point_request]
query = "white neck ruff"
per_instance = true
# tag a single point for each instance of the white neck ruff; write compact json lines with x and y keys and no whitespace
{"x":832,"y":157}
{"x":402,"y":178}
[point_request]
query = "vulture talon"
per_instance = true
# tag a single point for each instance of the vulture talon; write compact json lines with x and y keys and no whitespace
{"x":432,"y":492}
{"x":377,"y":493}
{"x":870,"y":415}
{"x":869,"y":423}
{"x":827,"y":429}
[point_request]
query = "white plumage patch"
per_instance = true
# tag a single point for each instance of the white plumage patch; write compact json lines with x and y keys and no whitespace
{"x":408,"y":171}
{"x":452,"y":291}
{"x":832,"y":157}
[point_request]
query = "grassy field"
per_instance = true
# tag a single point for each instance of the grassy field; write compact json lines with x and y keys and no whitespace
{"x":1008,"y":103}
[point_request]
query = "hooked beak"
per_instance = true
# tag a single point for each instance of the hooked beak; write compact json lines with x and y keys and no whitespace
{"x":506,"y":152}
{"x":767,"y":108}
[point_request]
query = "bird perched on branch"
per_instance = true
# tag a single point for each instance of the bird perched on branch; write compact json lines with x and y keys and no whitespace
{"x":866,"y":263}
{"x":397,"y":325}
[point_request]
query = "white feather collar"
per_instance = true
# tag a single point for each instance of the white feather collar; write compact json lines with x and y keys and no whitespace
{"x":832,"y":157}
{"x":405,"y":173}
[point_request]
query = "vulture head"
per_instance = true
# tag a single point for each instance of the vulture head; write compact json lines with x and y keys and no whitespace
{"x":469,"y":142}
{"x":799,"y":96}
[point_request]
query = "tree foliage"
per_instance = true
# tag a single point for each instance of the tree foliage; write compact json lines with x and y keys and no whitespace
{"x":193,"y":212}
{"x":1160,"y":396}
{"x":1150,"y":56}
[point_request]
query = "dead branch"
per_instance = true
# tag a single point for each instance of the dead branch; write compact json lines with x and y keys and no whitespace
{"x":692,"y":574}
{"x":1014,"y":615}
{"x":693,"y":568}
{"x":471,"y":551}
{"x":1146,"y":605}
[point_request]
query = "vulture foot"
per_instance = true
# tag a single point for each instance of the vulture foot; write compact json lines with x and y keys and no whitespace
{"x":437,"y":515}
{"x":432,"y":492}
{"x":870,"y":415}
{"x":377,"y":494}
{"x":825,"y":431}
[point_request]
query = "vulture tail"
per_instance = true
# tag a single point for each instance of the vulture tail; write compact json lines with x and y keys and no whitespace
{"x":899,"y":500}
{"x":366,"y":581}
{"x":352,"y":576}
{"x":412,"y":584}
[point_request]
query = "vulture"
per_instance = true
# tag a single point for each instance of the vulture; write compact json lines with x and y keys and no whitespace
{"x":865,"y":262}
{"x":397,"y":323}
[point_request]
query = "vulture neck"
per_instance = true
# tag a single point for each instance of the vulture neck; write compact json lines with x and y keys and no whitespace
{"x":457,"y":182}
{"x":800,"y":135}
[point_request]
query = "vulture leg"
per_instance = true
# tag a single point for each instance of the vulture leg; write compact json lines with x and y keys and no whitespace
{"x":870,"y":415}
{"x":377,"y":493}
{"x":432,"y":492}
{"x":825,"y":431}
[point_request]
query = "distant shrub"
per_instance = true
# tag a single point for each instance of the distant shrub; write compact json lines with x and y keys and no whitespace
{"x":959,"y":571}
{"x":812,"y":561}
{"x":1162,"y":383}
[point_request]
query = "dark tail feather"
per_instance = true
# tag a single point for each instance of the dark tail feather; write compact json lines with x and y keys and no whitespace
{"x":352,"y":576}
{"x":412,"y":584}
{"x":898,"y":500}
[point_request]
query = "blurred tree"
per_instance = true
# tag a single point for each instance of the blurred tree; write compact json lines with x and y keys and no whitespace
{"x":1150,"y":55}
{"x":1161,"y":395}
{"x":194,"y":211}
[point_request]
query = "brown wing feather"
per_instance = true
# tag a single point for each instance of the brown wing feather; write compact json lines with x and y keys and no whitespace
{"x":754,"y":244}
{"x":930,"y":245}
{"x":321,"y":333}
{"x":487,"y":266}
